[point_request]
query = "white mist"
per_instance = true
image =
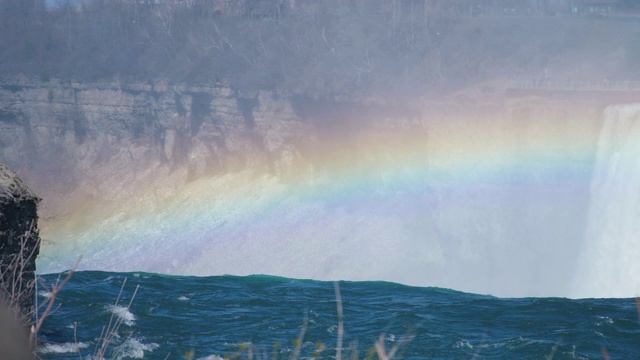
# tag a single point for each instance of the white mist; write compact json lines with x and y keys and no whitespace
{"x":609,"y":263}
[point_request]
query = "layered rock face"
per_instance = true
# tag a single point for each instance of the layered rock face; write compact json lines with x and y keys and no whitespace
{"x":102,"y":139}
{"x":87,"y":143}
{"x":19,"y":240}
{"x":79,"y":144}
{"x":105,"y":138}
{"x":489,"y":169}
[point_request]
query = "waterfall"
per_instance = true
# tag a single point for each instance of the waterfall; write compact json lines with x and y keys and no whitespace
{"x":609,"y":263}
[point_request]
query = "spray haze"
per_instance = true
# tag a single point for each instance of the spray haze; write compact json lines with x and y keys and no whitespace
{"x":468,"y":145}
{"x":456,"y":203}
{"x":611,"y":244}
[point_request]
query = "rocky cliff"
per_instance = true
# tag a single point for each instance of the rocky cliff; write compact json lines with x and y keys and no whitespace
{"x":84,"y":145}
{"x":80,"y":144}
{"x":19,"y":240}
{"x":476,"y":171}
{"x":100,"y":140}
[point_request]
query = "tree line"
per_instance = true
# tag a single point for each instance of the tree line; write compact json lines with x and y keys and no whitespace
{"x":338,"y":47}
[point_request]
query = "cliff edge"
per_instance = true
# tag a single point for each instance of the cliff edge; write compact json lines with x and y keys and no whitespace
{"x":19,"y":241}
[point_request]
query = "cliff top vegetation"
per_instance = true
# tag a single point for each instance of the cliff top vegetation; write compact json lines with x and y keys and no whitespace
{"x":335,"y":48}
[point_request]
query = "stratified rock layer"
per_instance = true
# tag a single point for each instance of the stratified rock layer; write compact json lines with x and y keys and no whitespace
{"x":19,"y":240}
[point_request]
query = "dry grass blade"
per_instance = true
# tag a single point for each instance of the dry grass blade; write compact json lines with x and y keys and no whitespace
{"x":53,"y":294}
{"x":553,"y":351}
{"x":15,"y":283}
{"x":336,"y":287}
{"x":380,"y":348}
{"x":109,"y":334}
{"x":300,"y":339}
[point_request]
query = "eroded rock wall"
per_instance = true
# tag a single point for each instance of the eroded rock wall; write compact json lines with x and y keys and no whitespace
{"x":493,"y":168}
{"x":105,"y":138}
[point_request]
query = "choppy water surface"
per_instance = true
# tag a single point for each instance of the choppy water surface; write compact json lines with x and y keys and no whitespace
{"x":206,"y":317}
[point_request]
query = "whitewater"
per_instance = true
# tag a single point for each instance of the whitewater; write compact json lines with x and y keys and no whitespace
{"x":608,"y":259}
{"x":487,"y":216}
{"x":265,"y":317}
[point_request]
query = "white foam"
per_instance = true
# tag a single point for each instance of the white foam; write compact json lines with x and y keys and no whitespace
{"x":64,"y":348}
{"x":183,"y":298}
{"x":211,"y":357}
{"x":462,"y":344}
{"x":127,"y":317}
{"x":134,"y":348}
{"x":602,"y":320}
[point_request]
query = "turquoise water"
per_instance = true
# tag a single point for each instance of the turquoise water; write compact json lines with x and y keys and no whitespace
{"x":175,"y":317}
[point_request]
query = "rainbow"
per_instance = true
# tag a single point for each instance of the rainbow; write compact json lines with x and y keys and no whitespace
{"x":474,"y":203}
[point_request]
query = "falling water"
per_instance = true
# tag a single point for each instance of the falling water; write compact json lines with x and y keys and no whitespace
{"x":610,"y":260}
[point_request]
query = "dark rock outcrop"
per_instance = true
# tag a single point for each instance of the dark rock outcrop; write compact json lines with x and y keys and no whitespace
{"x":19,"y":241}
